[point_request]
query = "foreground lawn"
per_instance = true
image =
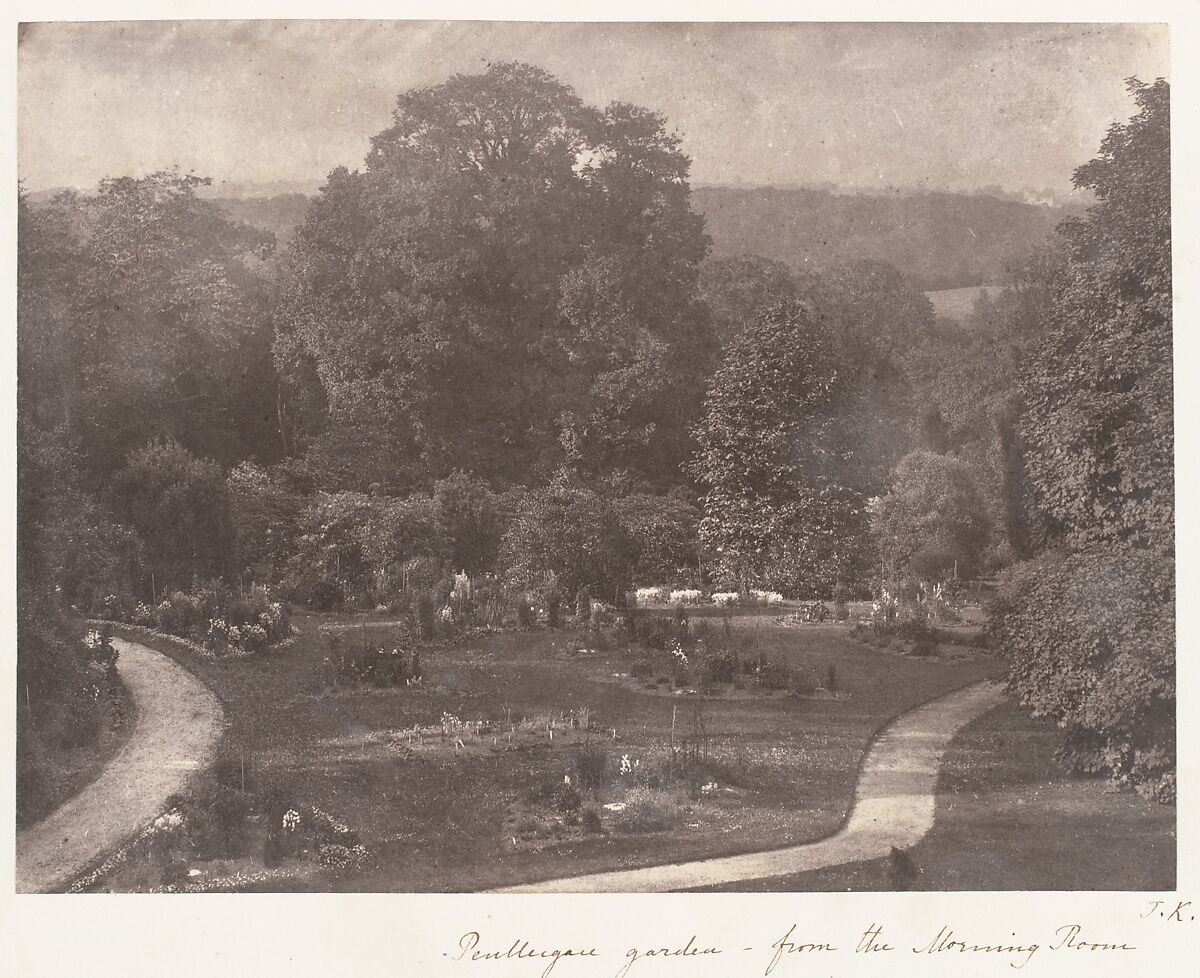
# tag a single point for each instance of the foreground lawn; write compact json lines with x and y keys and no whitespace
{"x":444,"y":819}
{"x":1009,"y":817}
{"x":57,"y":773}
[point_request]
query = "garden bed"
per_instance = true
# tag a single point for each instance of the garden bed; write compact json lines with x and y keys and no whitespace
{"x":439,"y":816}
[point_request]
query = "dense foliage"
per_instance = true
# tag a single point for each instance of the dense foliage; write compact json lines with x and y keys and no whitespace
{"x":504,"y":239}
{"x":933,"y":522}
{"x":1091,"y":625}
{"x":142,"y":311}
{"x":565,"y":537}
{"x":774,"y":513}
{"x":497,"y":364}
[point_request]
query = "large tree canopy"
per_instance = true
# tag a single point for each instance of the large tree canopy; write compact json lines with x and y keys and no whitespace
{"x":934,"y":520}
{"x":1099,"y":424}
{"x":775,"y":512}
{"x":1091,"y":626}
{"x":142,"y":314}
{"x":508,"y":284}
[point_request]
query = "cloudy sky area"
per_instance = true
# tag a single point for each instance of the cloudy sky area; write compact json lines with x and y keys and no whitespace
{"x":867,"y":105}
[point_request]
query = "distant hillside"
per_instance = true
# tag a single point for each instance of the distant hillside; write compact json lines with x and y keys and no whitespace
{"x":940,"y":240}
{"x":958,"y":304}
{"x":279,"y":214}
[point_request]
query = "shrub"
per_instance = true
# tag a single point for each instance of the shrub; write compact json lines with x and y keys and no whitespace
{"x":180,"y":614}
{"x":180,"y":507}
{"x":814,"y":611}
{"x":1090,"y":639}
{"x":831,"y":677}
{"x":653,"y":631}
{"x":265,"y":519}
{"x":661,"y":533}
{"x":591,"y":821}
{"x":720,"y":666}
{"x":471,"y":524}
{"x":648,"y":810}
{"x":773,"y":674}
{"x":567,"y":530}
{"x":933,"y":515}
{"x":591,"y":766}
{"x":915,"y":629}
{"x":567,"y":799}
{"x":525,"y":614}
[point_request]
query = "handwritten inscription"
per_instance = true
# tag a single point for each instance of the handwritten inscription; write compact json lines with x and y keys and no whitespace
{"x":785,"y":945}
{"x":1181,"y":913}
{"x":688,"y":950}
{"x":519,"y":950}
{"x":871,"y":941}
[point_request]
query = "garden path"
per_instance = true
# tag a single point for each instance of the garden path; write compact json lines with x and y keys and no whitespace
{"x":894,"y":806}
{"x":178,"y":724}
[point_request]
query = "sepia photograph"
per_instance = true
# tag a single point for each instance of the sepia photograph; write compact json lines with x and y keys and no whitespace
{"x":576,"y":457}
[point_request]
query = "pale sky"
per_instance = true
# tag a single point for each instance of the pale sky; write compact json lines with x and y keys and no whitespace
{"x":870,"y":105}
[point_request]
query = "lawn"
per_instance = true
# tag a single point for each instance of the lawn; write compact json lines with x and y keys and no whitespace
{"x":1009,"y":817}
{"x":451,"y":819}
{"x":65,"y":771}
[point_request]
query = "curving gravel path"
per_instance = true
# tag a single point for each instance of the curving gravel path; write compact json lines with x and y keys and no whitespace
{"x":178,"y":724}
{"x":893,"y":806}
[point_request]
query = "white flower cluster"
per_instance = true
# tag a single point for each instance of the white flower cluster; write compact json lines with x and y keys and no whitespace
{"x":767,"y":597}
{"x":143,"y":614}
{"x":446,"y":614}
{"x":679,"y":655}
{"x":651,"y":595}
{"x":628,"y":765}
{"x":462,"y":586}
{"x":334,"y":856}
{"x":327,"y":820}
{"x":886,"y":603}
{"x":687,"y":596}
{"x":238,"y":881}
{"x":725,"y":597}
{"x":708,"y":789}
{"x":92,"y":639}
{"x":193,"y":647}
{"x":167,"y":824}
{"x":291,"y":820}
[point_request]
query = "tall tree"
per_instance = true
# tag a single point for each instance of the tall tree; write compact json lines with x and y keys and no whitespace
{"x":141,"y":314}
{"x":1099,"y":391}
{"x":508,"y":284}
{"x":1090,"y":625}
{"x":774,"y":512}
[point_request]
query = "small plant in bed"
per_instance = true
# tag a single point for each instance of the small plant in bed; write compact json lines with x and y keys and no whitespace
{"x":719,"y":666}
{"x":648,"y":810}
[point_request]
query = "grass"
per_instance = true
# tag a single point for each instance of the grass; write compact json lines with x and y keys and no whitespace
{"x":437,"y":821}
{"x":1009,"y":817}
{"x":63,"y":772}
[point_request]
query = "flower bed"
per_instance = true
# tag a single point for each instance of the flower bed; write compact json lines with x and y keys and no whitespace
{"x":211,"y":621}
